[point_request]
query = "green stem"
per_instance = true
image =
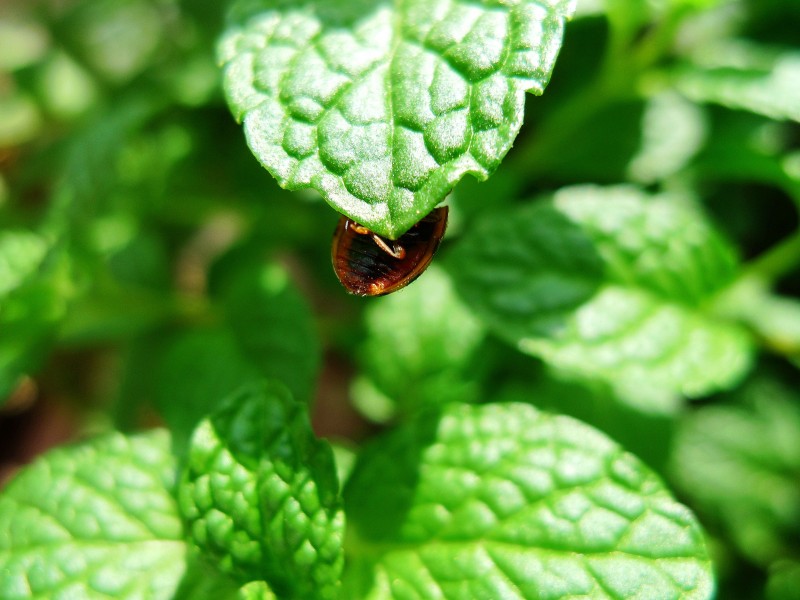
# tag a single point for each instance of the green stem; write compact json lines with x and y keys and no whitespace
{"x":776,"y":262}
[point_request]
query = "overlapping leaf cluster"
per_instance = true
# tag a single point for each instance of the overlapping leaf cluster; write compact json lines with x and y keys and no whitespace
{"x":613,"y":314}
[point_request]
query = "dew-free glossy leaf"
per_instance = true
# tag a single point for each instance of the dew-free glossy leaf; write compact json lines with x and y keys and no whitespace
{"x":260,"y":495}
{"x":503,"y":501}
{"x":383,"y":106}
{"x":606,"y":283}
{"x":93,"y":521}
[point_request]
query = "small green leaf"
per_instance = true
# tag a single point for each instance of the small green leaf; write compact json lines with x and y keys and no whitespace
{"x":421,"y":346}
{"x":273,"y":326}
{"x":267,"y":332}
{"x":740,"y":463}
{"x":746,"y":77}
{"x":261,"y":497}
{"x":673,"y":130}
{"x":96,"y":520}
{"x":197,"y":371}
{"x":607,"y":284}
{"x":383,"y":106}
{"x":503,"y":501}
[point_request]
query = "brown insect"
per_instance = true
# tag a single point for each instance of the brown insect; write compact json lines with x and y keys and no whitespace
{"x":370,"y":265}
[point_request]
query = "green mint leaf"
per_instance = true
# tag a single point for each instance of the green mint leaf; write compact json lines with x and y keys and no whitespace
{"x":673,"y":131}
{"x":647,"y":434}
{"x":382,"y":107}
{"x":421,"y":347}
{"x":274,"y":328}
{"x":504,"y":501}
{"x":197,"y":371}
{"x":608,"y":284}
{"x":267,"y":331}
{"x":96,"y":520}
{"x":745,"y":76}
{"x":740,"y":463}
{"x":260,"y":495}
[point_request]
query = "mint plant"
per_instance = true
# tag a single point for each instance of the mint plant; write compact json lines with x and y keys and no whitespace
{"x":589,"y":394}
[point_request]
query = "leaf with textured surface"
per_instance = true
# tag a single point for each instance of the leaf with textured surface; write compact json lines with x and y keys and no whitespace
{"x":503,"y":501}
{"x":383,"y":106}
{"x":741,"y":464}
{"x":96,"y":520}
{"x":608,"y":284}
{"x":260,"y":495}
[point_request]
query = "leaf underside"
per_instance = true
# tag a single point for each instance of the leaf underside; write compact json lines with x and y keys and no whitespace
{"x":383,"y":106}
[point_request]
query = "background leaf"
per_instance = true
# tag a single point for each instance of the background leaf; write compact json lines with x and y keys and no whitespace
{"x":621,"y":293}
{"x":746,"y":76}
{"x":421,"y":348}
{"x":266,"y":330}
{"x":39,"y":282}
{"x":740,"y":462}
{"x":92,"y":521}
{"x":504,"y":501}
{"x":406,"y":97}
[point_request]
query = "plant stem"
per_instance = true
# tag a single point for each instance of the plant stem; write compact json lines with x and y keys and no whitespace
{"x":776,"y":262}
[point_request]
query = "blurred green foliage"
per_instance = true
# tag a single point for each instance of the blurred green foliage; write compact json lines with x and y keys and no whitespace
{"x":149,"y":266}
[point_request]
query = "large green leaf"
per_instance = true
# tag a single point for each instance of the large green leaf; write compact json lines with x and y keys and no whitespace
{"x":503,"y":501}
{"x":383,"y":106}
{"x":261,"y":497}
{"x":95,"y":520}
{"x":609,"y":284}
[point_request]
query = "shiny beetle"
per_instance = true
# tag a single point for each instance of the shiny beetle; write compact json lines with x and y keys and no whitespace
{"x":370,"y":265}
